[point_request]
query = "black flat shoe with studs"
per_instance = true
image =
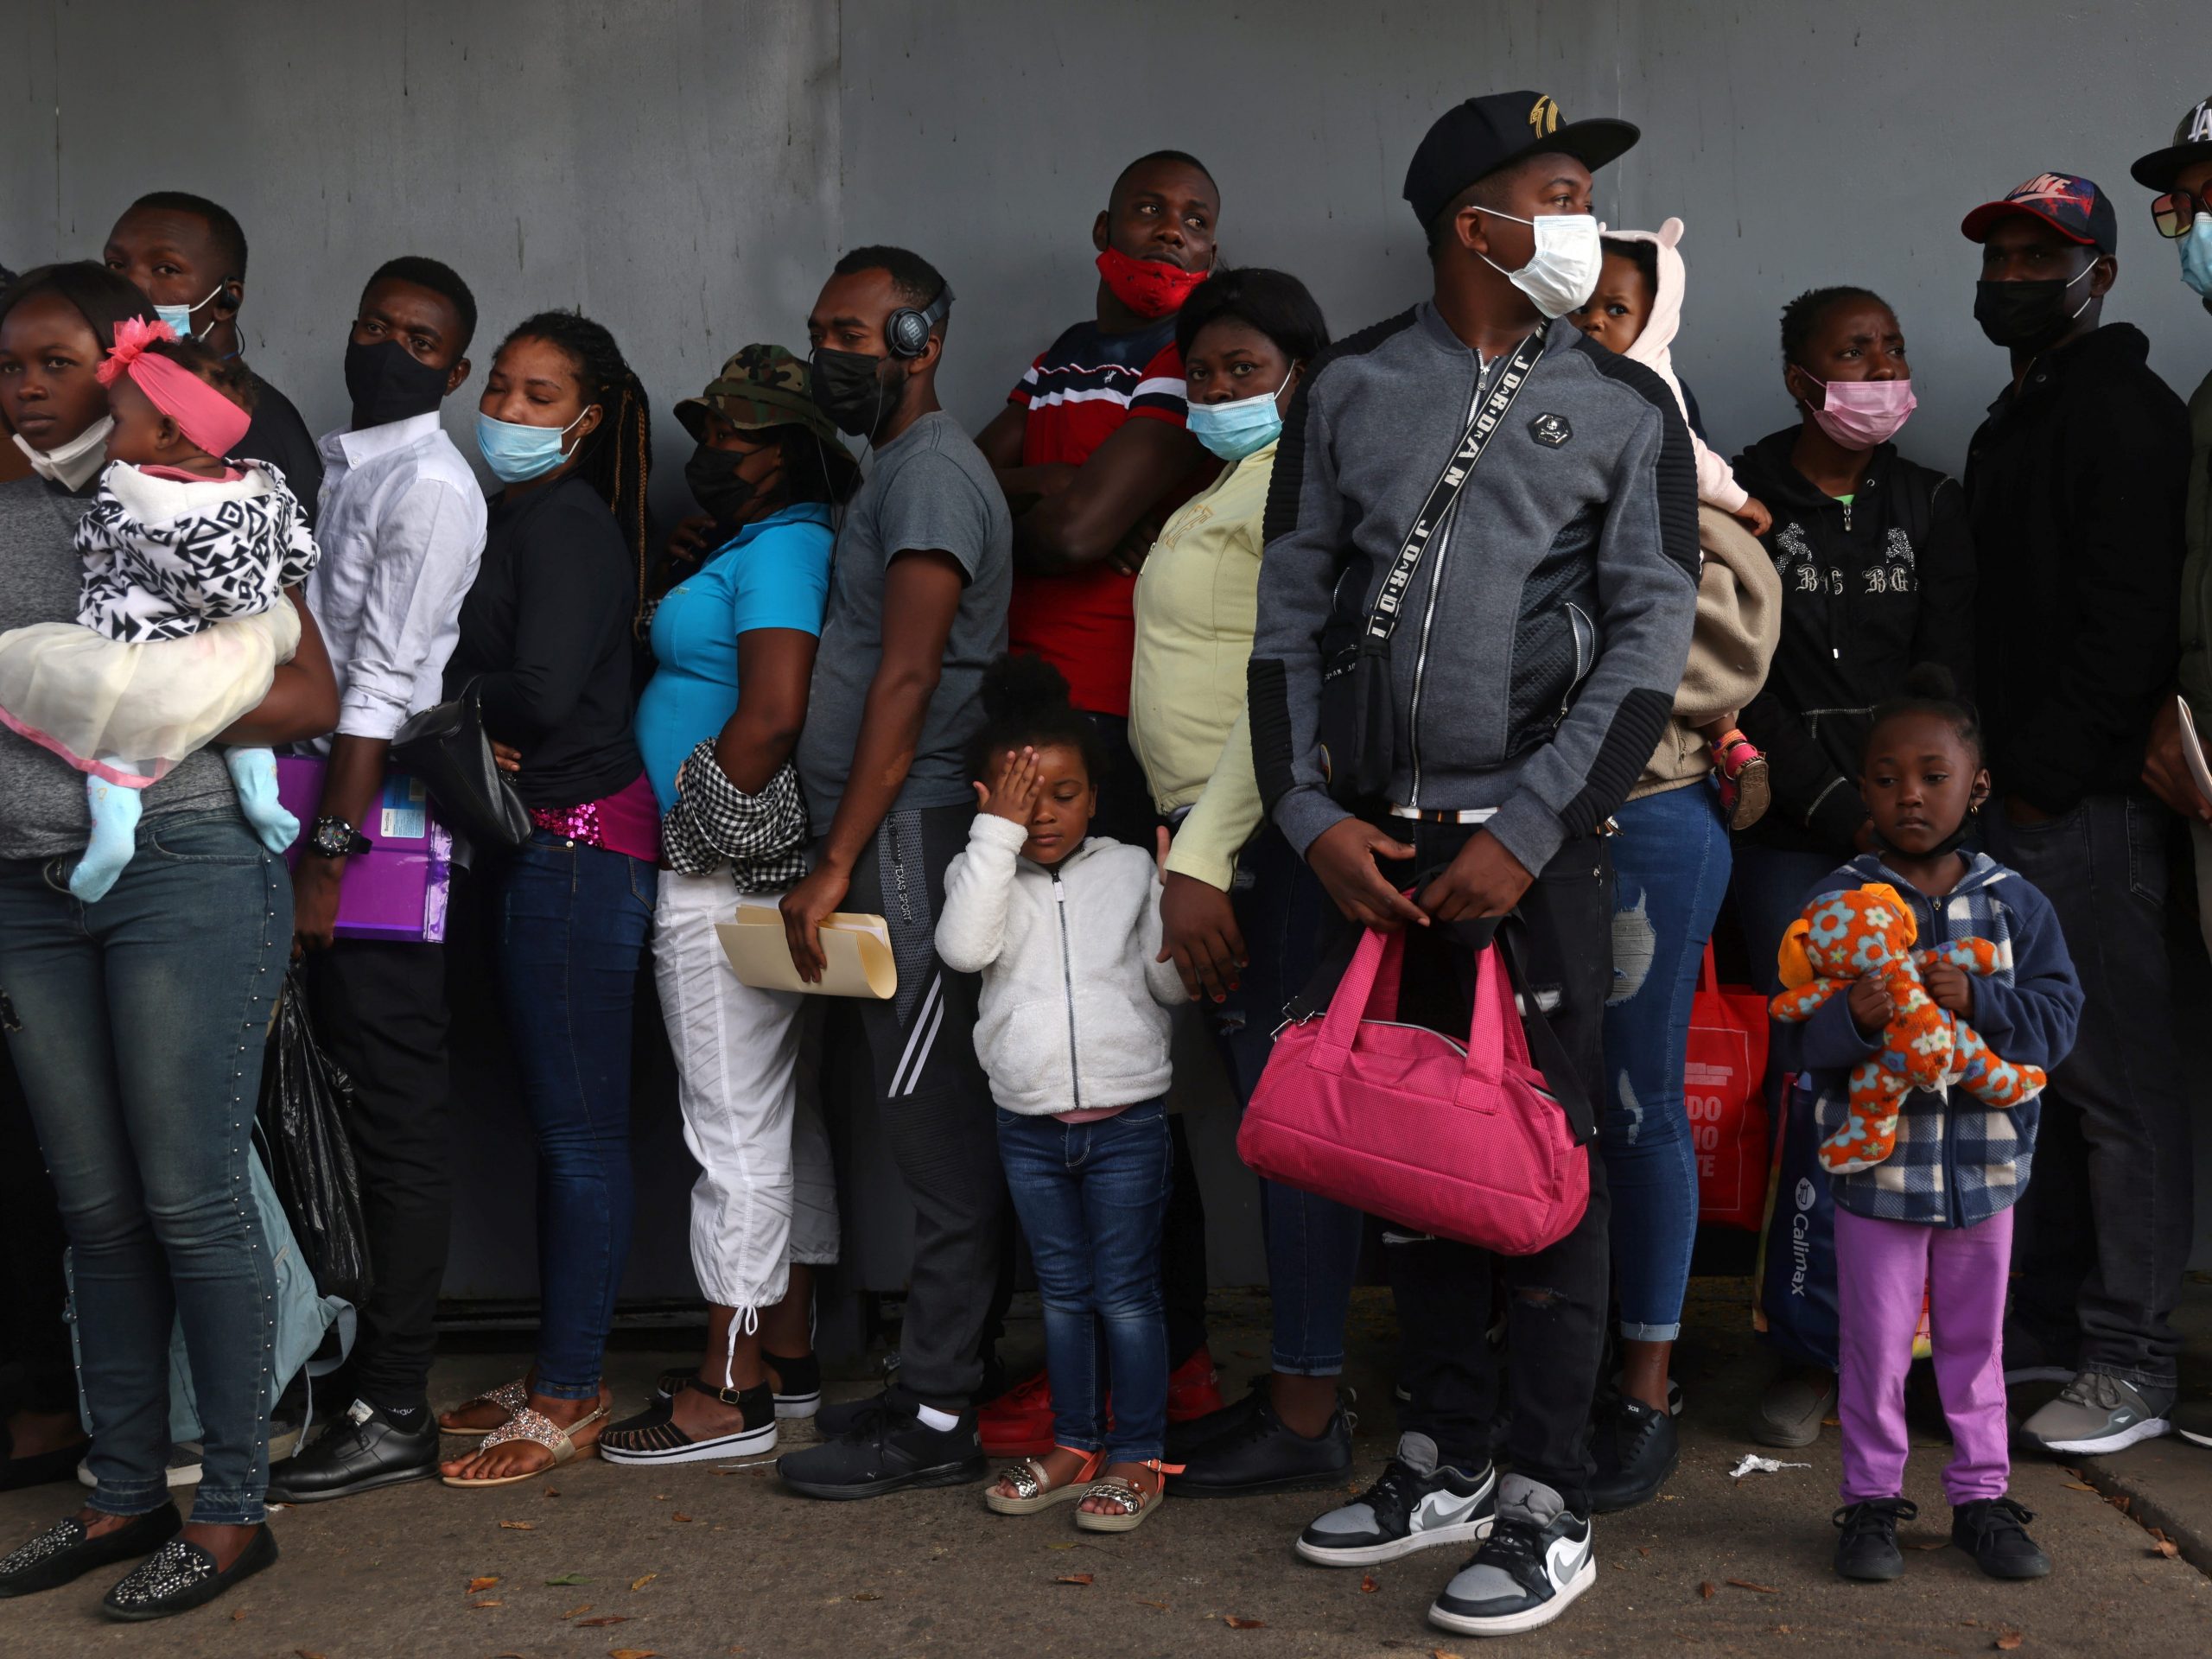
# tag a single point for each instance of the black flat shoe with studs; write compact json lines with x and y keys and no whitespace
{"x":179,"y":1576}
{"x":66,"y":1551}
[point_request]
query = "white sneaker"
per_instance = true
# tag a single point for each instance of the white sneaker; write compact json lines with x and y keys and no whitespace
{"x":1536,"y":1560}
{"x":1413,"y":1504}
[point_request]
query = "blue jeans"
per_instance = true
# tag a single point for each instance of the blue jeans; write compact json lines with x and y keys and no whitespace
{"x":1091,"y":1197}
{"x":1670,"y":869}
{"x":1312,"y":1243}
{"x":573,"y":922}
{"x":136,"y":1024}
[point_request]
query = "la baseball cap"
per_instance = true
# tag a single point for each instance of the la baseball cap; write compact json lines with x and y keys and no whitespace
{"x":2068,"y":203}
{"x":1484,"y":134}
{"x":2192,"y":142}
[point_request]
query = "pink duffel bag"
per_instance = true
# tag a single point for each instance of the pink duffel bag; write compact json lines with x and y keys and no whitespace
{"x":1402,"y":1122}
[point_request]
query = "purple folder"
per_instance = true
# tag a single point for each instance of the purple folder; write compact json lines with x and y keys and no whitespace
{"x":398,"y":888}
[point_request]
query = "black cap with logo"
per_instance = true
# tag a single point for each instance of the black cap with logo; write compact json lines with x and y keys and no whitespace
{"x":2068,"y":203}
{"x":2192,"y":142}
{"x":1484,"y":133}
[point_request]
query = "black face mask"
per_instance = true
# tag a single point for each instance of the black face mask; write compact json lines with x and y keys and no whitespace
{"x":849,"y":388}
{"x":717,"y":486}
{"x":2026,"y":316}
{"x":387,"y":385}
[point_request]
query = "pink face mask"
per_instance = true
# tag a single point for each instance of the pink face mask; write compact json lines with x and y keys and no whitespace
{"x":1859,"y":414}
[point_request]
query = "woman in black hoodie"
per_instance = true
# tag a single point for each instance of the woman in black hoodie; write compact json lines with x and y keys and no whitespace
{"x":1877,"y":574}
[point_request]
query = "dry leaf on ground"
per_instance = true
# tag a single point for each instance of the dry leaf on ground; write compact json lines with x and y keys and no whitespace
{"x":1140,"y":1602}
{"x":518,"y":1526}
{"x":1438,"y":1653}
{"x":1367,"y":1584}
{"x":577,"y":1612}
{"x":2079,"y":1486}
{"x":2165,"y":1547}
{"x":639,"y":1584}
{"x":867,"y":1595}
{"x":478,"y":1606}
{"x":1763,"y":1589}
{"x":474,"y":1585}
{"x":1073,"y":1578}
{"x":679,"y":1516}
{"x":604,"y":1618}
{"x":2008,"y":1641}
{"x":1708,"y":1589}
{"x":633,"y":1653}
{"x":1236,"y":1624}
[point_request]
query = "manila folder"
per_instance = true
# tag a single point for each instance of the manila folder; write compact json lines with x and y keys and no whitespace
{"x":858,"y":948}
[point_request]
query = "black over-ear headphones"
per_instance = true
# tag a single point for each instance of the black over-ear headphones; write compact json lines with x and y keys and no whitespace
{"x":906,"y":331}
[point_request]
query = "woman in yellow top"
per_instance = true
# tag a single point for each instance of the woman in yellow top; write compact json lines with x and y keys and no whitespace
{"x":1241,"y":911}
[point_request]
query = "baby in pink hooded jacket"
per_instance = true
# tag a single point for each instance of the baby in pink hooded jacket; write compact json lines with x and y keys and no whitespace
{"x":1635,"y":311}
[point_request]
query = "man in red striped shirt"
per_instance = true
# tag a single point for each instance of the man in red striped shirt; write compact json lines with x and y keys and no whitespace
{"x":1092,"y":452}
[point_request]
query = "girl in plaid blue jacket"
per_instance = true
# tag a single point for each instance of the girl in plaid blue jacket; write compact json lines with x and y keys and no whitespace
{"x":1936,"y":1216}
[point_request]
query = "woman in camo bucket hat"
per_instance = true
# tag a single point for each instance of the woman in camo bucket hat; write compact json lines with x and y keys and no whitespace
{"x":733,"y":643}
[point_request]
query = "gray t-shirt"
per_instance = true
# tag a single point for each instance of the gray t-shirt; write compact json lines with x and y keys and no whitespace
{"x":42,"y":809}
{"x":930,"y":489}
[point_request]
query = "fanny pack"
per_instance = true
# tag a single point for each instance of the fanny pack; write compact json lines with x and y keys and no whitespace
{"x":1355,"y":724}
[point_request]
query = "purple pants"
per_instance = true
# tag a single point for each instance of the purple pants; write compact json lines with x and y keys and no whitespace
{"x":1881,"y":1268}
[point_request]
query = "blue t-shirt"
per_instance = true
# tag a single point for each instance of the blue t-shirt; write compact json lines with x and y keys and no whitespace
{"x":774,"y":574}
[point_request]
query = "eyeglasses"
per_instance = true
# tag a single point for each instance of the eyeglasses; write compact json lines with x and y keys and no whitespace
{"x":2175,"y":211}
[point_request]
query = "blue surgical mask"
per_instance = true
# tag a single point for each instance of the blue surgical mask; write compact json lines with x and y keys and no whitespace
{"x":2196,"y":256}
{"x":178,"y":317}
{"x":1233,"y":430}
{"x":518,"y":453}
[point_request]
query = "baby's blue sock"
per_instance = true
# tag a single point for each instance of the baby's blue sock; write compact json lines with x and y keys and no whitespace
{"x":253,"y":774}
{"x":115,"y":833}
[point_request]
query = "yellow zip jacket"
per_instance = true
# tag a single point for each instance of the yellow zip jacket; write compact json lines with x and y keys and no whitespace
{"x":1197,"y":599}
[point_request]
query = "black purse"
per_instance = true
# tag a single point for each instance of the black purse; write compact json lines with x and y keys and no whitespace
{"x":447,"y":749}
{"x":1358,"y":715}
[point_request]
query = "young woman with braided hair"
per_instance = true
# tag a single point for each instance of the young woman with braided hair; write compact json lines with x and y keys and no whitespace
{"x":546,"y":639}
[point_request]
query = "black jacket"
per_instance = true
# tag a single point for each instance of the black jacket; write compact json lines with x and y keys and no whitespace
{"x":2075,"y":486}
{"x":1867,"y":591}
{"x":545,"y":635}
{"x":278,"y":436}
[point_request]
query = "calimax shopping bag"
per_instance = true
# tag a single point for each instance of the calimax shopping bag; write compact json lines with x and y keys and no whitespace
{"x":1723,"y":1088}
{"x":1401,"y":1122}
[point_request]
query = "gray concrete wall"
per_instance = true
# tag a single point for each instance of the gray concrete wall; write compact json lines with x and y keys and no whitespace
{"x":686,"y":169}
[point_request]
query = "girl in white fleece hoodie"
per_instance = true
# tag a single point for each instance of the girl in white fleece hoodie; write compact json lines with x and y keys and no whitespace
{"x":1636,"y":310}
{"x":1064,"y":928}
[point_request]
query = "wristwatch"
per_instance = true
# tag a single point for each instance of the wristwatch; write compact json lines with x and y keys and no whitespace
{"x":335,"y":838}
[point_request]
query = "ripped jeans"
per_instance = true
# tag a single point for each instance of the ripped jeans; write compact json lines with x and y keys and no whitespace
{"x":1670,"y":869}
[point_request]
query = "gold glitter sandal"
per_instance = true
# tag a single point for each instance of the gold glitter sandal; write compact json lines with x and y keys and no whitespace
{"x":540,"y":1430}
{"x":510,"y":1397}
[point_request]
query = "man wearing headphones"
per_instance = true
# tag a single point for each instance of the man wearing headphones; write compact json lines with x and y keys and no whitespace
{"x":917,"y":609}
{"x":187,"y":254}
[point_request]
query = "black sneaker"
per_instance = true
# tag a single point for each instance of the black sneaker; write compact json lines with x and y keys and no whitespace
{"x":832,"y":1422}
{"x":892,"y":1452}
{"x":1535,"y":1562}
{"x":1267,"y":1455}
{"x":363,"y":1449}
{"x":1185,"y":1438}
{"x":1995,"y":1531}
{"x":1868,"y":1548}
{"x":1636,"y":1448}
{"x":1413,"y":1504}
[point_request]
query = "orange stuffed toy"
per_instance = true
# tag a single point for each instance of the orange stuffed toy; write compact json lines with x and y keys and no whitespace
{"x":1868,"y":933}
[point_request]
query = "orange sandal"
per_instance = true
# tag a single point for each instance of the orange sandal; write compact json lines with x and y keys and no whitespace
{"x":1033,"y":1489}
{"x":1132,"y":1503}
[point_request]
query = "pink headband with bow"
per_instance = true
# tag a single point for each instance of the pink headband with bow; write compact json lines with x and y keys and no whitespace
{"x":208,"y":419}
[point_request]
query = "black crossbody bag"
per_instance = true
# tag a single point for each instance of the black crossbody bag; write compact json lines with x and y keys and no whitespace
{"x":1356,"y":699}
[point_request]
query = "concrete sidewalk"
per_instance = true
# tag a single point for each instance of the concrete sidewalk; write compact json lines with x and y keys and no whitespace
{"x":697,"y":1561}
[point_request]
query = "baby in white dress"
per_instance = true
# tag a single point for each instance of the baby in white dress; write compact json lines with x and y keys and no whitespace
{"x":183,"y":618}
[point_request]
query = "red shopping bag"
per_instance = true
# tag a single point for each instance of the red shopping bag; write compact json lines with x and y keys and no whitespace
{"x":1727,"y":1107}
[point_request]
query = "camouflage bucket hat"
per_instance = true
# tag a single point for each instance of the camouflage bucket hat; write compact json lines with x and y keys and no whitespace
{"x":761,"y":386}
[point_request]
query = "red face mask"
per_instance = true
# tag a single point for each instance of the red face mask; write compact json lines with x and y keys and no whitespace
{"x":1146,"y":286}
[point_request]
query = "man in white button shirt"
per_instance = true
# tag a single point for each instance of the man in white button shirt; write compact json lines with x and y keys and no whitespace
{"x":401,"y":529}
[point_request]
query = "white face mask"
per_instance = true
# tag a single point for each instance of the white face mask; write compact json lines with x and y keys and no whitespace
{"x":75,"y":461}
{"x":1562,"y":273}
